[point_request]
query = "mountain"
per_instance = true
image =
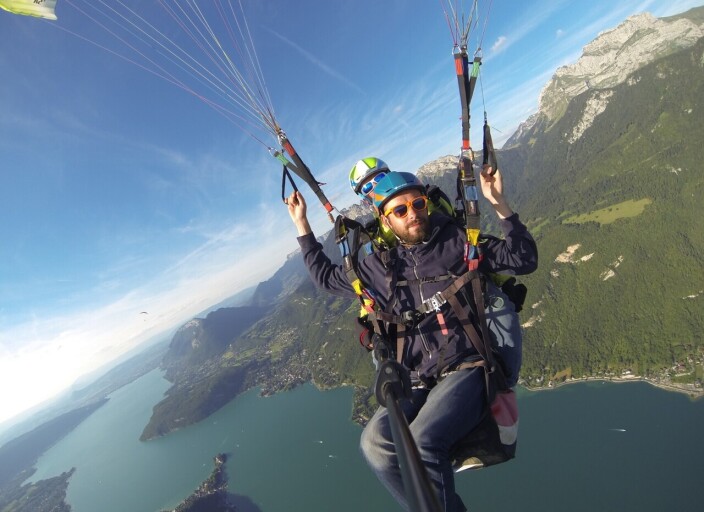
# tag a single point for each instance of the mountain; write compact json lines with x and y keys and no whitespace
{"x":203,"y":338}
{"x":277,"y":342}
{"x":201,"y":365}
{"x":241,"y":298}
{"x":20,"y":455}
{"x":289,"y":277}
{"x":608,"y":177}
{"x":610,"y":183}
{"x":607,"y":62}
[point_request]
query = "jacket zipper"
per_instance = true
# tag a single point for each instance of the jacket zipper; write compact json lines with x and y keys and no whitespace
{"x":424,"y":343}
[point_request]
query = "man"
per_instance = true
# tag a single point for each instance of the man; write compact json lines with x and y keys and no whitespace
{"x":364,"y":176}
{"x":447,"y":402}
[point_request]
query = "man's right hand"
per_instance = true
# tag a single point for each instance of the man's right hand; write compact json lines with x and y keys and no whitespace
{"x":297,"y":209}
{"x":493,"y":190}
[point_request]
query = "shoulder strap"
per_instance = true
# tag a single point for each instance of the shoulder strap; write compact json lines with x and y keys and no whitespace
{"x":347,"y":236}
{"x":439,"y":201}
{"x":493,"y":372}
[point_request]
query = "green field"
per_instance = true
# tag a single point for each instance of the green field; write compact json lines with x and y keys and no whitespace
{"x":612,"y":213}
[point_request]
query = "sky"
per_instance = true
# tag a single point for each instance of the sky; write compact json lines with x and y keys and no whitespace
{"x":129,"y":205}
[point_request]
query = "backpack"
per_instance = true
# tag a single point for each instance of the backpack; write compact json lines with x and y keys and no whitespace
{"x":494,"y":439}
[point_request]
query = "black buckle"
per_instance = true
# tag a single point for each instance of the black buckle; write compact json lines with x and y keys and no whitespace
{"x":411,"y":318}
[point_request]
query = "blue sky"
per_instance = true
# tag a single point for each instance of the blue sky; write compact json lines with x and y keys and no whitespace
{"x":121,"y":193}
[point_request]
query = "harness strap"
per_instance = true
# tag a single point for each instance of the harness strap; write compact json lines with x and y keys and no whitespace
{"x":286,"y":174}
{"x":458,"y":283}
{"x":481,"y":346}
{"x":400,"y":342}
{"x":488,"y":152}
{"x":424,"y":280}
{"x":469,"y":328}
{"x":466,"y":81}
{"x":411,"y":317}
{"x":302,"y":170}
{"x":407,"y":318}
{"x":481,"y":314}
{"x":344,"y":228}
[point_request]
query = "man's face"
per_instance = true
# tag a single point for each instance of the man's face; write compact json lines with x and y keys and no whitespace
{"x":414,"y":227}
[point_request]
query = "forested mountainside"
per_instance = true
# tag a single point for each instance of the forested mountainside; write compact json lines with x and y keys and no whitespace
{"x":613,"y":204}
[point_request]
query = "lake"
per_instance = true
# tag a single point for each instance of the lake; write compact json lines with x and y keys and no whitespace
{"x":583,"y":447}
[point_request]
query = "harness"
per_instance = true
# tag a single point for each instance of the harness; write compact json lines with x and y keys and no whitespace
{"x":381,"y":326}
{"x":470,"y":287}
{"x":494,"y":440}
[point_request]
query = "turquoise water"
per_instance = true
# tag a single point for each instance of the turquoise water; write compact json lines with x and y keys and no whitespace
{"x":584,"y":447}
{"x":291,"y":451}
{"x":626,"y":447}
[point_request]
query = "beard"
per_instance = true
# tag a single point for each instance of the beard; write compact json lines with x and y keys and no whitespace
{"x":414,"y":232}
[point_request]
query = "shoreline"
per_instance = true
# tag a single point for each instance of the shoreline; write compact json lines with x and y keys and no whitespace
{"x":687,"y":389}
{"x":211,"y":495}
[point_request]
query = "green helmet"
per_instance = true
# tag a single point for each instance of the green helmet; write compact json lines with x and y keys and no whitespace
{"x":363,"y":170}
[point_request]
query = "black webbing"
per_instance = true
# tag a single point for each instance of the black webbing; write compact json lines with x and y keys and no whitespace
{"x":285,"y":174}
{"x":488,"y":153}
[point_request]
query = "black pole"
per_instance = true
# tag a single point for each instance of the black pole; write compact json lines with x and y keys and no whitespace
{"x":393,"y":383}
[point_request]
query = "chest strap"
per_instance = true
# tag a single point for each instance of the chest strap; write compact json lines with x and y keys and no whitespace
{"x":481,"y":340}
{"x":424,"y":280}
{"x":411,"y":317}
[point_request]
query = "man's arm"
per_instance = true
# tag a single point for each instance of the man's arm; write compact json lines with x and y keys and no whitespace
{"x":325,"y":275}
{"x":517,"y":253}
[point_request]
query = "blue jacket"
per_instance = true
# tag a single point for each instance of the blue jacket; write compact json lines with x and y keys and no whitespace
{"x":443,"y":253}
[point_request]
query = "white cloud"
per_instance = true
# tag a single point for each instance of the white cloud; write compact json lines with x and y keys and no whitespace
{"x":317,"y":62}
{"x":499,"y":45}
{"x":534,"y":17}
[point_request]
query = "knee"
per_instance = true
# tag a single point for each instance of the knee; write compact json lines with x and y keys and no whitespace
{"x":374,"y":445}
{"x":430,"y":444}
{"x":366,"y":441}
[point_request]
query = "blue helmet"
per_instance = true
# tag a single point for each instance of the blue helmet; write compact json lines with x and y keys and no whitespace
{"x":392,"y":184}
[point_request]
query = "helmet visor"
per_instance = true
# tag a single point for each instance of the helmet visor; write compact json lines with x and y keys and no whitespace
{"x":369,"y":185}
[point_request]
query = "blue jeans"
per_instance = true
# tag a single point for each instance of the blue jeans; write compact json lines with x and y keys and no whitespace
{"x":438,"y":418}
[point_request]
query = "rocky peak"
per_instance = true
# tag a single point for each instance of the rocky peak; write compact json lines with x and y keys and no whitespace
{"x":614,"y":54}
{"x":437,"y":168}
{"x":358,"y":212}
{"x":610,"y":58}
